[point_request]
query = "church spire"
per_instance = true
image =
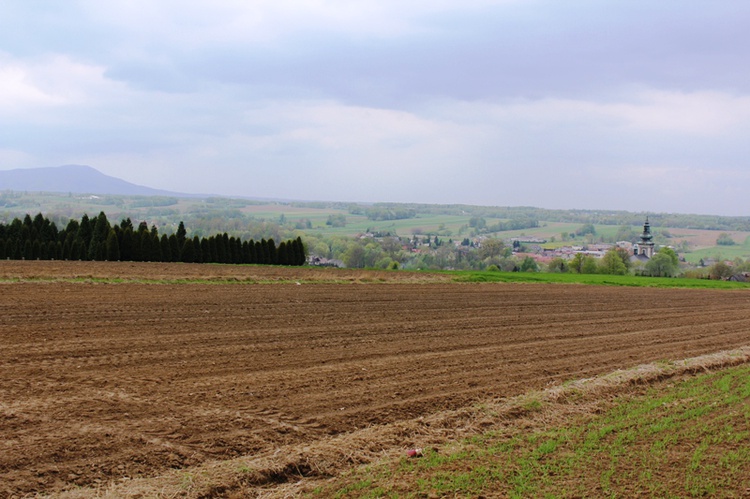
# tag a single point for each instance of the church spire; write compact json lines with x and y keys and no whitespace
{"x":646,"y":247}
{"x":646,"y":237}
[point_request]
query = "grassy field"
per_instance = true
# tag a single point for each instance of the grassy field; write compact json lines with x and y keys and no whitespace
{"x":595,"y":279}
{"x":685,"y":439}
{"x":721,"y":252}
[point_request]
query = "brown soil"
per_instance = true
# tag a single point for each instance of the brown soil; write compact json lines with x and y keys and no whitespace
{"x":133,"y":272}
{"x":108,"y":381}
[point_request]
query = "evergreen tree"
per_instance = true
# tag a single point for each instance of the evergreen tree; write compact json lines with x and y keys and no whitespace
{"x":146,"y":251}
{"x":96,"y":239}
{"x":166,"y":252}
{"x":292,"y":253}
{"x":221,"y":250}
{"x":38,"y":222}
{"x":85,"y":232}
{"x":281,"y":254}
{"x":45,"y":230}
{"x":174,"y":248}
{"x":236,"y":245}
{"x":126,"y":223}
{"x":14,"y":231}
{"x":141,"y":234}
{"x":259,"y":252}
{"x":156,"y":255}
{"x":75,"y":249}
{"x":252,"y":253}
{"x":135,"y":251}
{"x":113,"y":247}
{"x":25,"y":233}
{"x":272,"y":252}
{"x":198,"y":257}
{"x":205,"y":251}
{"x":15,"y":250}
{"x":246,"y":252}
{"x":181,"y":233}
{"x":187,"y":254}
{"x":227,"y":248}
{"x":213,"y":250}
{"x":126,"y":245}
{"x":264,"y":253}
{"x":99,"y":233}
{"x":28,"y":249}
{"x":231,"y":252}
{"x":300,"y":251}
{"x":66,"y":249}
{"x":72,"y":228}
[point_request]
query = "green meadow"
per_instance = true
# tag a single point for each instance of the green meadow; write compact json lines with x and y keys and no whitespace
{"x":678,"y":439}
{"x":720,"y":252}
{"x":594,"y":279}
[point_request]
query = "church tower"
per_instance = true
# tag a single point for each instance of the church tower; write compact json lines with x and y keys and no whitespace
{"x":646,"y":247}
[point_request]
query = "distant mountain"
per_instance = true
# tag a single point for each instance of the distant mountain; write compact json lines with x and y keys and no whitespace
{"x":77,"y":179}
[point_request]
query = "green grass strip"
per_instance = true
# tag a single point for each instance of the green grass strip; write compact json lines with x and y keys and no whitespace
{"x":691,"y":439}
{"x":594,"y":279}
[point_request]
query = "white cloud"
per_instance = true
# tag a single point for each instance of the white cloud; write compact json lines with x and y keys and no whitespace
{"x":18,"y":91}
{"x":54,"y":81}
{"x":194,"y":22}
{"x":650,"y":110}
{"x":331,"y":125}
{"x":694,"y":113}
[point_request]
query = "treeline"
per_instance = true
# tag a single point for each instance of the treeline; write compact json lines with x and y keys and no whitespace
{"x":379,"y":212}
{"x":96,"y":239}
{"x":480,"y":224}
{"x":598,"y":217}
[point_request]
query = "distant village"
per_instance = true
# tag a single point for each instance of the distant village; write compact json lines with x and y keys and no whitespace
{"x":522,"y":246}
{"x":519,"y":249}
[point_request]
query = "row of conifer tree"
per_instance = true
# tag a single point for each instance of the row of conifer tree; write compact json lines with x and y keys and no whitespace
{"x":97,"y":239}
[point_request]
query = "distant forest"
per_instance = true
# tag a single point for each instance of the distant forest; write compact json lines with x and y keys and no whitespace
{"x":214,"y":214}
{"x":96,"y":239}
{"x":599,"y":217}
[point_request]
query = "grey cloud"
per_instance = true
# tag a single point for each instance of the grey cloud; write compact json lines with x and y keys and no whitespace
{"x":582,"y":49}
{"x":495,"y":83}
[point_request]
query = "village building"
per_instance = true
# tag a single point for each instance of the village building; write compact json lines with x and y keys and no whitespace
{"x":644,"y":250}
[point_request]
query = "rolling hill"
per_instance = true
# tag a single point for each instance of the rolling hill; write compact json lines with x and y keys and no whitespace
{"x":77,"y":179}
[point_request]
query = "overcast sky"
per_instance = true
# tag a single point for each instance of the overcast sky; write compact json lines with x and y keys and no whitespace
{"x":617,"y":104}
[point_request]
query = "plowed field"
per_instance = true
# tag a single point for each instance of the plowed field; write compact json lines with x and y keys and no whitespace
{"x":103,"y":381}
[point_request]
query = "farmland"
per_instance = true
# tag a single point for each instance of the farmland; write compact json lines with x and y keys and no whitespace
{"x":380,"y":235}
{"x":118,"y":374}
